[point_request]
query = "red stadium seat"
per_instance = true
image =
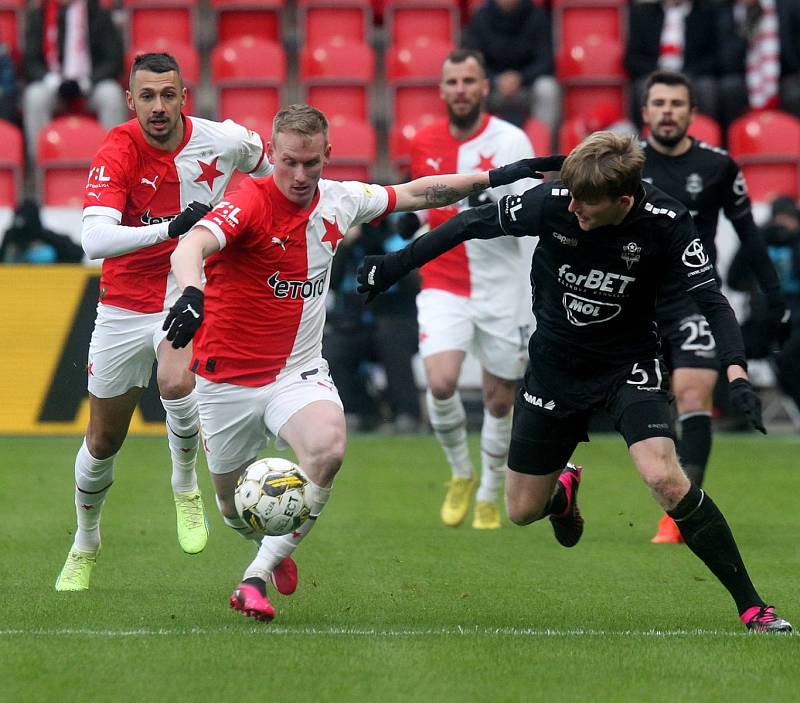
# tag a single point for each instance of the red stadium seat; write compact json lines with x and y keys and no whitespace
{"x":706,"y":129}
{"x":571,"y":133}
{"x":66,"y":148}
{"x":11,"y":163}
{"x":322,"y":21}
{"x":573,"y":20}
{"x":591,"y":73}
{"x":150,"y":20}
{"x":184,"y":54}
{"x":260,"y":19}
{"x":539,"y":134}
{"x":248,"y":74}
{"x":419,"y":62}
{"x":353,"y":150}
{"x":409,"y":20}
{"x":767,"y":146}
{"x":414,"y":107}
{"x":336,"y":78}
{"x":10,"y":13}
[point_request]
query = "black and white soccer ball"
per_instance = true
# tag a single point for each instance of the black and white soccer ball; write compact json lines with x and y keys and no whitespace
{"x":271,"y":497}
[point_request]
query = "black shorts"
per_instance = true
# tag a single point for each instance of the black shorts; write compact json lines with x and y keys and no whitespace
{"x":688,"y":343}
{"x":553,"y":408}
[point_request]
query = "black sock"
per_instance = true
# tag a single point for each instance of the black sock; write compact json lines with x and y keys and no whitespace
{"x":706,"y":533}
{"x":694,"y":446}
{"x":260,"y":584}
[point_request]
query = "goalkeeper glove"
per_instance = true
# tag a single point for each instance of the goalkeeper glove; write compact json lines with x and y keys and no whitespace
{"x":188,"y":218}
{"x":185,"y":317}
{"x":525,"y":168}
{"x":747,"y":402}
{"x":381,"y":272}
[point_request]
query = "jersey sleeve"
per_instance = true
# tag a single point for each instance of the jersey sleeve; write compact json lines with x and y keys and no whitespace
{"x":251,"y":155}
{"x":521,"y":215}
{"x":689,"y":261}
{"x":108,"y":184}
{"x":369,"y":202}
{"x":242,"y":211}
{"x":735,"y":199}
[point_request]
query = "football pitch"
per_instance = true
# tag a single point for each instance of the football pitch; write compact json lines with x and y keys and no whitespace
{"x":393,"y":606}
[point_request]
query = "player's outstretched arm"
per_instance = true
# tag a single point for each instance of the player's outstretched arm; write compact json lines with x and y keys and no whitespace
{"x":186,"y":315}
{"x":438,"y":191}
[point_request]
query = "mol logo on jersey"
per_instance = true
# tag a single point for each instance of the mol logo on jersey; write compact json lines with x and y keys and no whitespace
{"x":297,"y":289}
{"x":604,"y":281}
{"x":583,"y":311}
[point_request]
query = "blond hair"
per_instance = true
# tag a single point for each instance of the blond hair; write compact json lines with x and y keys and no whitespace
{"x":300,"y":119}
{"x":604,"y":165}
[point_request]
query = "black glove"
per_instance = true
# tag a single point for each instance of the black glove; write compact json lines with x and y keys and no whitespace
{"x":407,"y":224}
{"x":526,"y":168}
{"x":780,"y":322}
{"x":381,"y":272}
{"x":69,"y":90}
{"x":185,"y":317}
{"x":747,"y":402}
{"x":188,"y":218}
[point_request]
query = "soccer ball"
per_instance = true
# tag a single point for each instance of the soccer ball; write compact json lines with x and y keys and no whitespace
{"x":270,"y":496}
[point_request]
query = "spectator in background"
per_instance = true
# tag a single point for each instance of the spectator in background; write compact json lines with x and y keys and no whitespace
{"x":384,"y":332}
{"x":28,"y":242}
{"x":782,"y":237}
{"x":515,"y":38}
{"x":764,"y":47}
{"x":72,"y":50}
{"x":8,"y":85}
{"x":678,"y":35}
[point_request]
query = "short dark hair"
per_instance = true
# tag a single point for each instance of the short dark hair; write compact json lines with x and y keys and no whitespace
{"x":155,"y":63}
{"x":670,"y":78}
{"x":461,"y":55}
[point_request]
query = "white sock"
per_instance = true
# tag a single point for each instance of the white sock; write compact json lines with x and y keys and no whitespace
{"x":93,"y":478}
{"x":495,"y":438}
{"x":273,"y":550}
{"x":183,"y":434}
{"x":449,"y":422}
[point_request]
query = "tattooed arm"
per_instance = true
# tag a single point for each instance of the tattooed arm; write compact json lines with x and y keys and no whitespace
{"x":438,"y":191}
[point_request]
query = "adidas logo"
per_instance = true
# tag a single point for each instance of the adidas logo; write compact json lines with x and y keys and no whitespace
{"x":538,"y":402}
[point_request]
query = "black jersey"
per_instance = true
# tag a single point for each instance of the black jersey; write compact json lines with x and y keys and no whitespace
{"x":705,"y":180}
{"x":594,"y":293}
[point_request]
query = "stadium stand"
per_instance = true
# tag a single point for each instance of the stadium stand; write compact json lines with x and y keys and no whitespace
{"x":321,"y":21}
{"x":260,"y":19}
{"x":407,"y":21}
{"x":337,"y":77}
{"x":353,"y":150}
{"x":575,"y":19}
{"x":10,"y":13}
{"x":150,"y":20}
{"x":66,"y":148}
{"x":767,"y":146}
{"x":248,"y":74}
{"x":12,"y":161}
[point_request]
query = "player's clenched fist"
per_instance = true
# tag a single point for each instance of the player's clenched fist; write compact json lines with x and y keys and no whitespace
{"x":185,"y":317}
{"x":188,"y":218}
{"x":381,"y":272}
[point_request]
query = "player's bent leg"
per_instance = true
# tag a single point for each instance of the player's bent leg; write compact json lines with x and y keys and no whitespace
{"x":528,"y":495}
{"x":498,"y":398}
{"x":176,"y":386}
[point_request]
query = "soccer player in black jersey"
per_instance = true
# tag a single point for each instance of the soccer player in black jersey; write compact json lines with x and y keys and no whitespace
{"x":705,"y":180}
{"x":607,"y":241}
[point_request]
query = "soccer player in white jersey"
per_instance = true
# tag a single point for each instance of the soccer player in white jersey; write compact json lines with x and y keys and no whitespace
{"x":149,"y":183}
{"x":257,"y":356}
{"x":475,"y":298}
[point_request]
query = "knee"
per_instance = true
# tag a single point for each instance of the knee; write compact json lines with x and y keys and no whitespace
{"x":499,"y":406}
{"x":693,"y":399}
{"x":668,"y":483}
{"x":442,"y":386}
{"x":522,"y":511}
{"x":174,"y":386}
{"x":324,"y":458}
{"x":103,"y":442}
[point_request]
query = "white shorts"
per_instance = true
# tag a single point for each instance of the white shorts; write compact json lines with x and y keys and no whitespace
{"x":238,"y":421}
{"x":122,"y":350}
{"x":449,"y":322}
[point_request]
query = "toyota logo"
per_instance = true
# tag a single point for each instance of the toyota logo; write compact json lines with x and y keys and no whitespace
{"x":694,"y":255}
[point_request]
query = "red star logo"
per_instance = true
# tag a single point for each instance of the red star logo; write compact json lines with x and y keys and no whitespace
{"x":332,"y":234}
{"x":90,"y":368}
{"x":485,"y":163}
{"x":209,"y":174}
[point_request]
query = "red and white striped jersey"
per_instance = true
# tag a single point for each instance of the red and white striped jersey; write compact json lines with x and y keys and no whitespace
{"x":265,"y":290}
{"x":138,"y":185}
{"x":478,"y":269}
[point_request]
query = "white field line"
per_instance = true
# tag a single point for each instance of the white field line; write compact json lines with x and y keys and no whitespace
{"x":266,"y":629}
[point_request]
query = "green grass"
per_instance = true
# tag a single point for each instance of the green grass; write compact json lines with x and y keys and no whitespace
{"x":392,"y":606}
